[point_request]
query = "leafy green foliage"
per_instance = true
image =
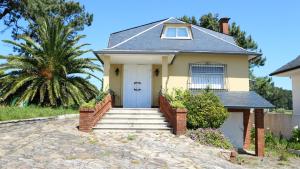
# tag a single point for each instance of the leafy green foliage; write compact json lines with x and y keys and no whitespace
{"x":295,"y":136}
{"x":211,"y":21}
{"x":279,"y":97}
{"x":210,"y":137}
{"x":205,"y":109}
{"x":91,"y":104}
{"x":294,"y":146}
{"x":14,"y":12}
{"x":177,"y":104}
{"x":277,"y":146}
{"x":51,"y":70}
{"x":14,"y":113}
{"x":177,"y":97}
{"x":101,"y":95}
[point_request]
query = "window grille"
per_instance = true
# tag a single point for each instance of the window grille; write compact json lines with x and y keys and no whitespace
{"x":203,"y":76}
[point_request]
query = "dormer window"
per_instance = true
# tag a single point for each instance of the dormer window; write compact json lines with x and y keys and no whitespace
{"x":176,"y":32}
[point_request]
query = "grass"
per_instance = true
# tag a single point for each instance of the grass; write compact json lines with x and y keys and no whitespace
{"x":15,"y":113}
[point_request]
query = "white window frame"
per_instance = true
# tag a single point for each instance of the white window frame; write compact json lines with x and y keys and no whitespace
{"x":176,"y":28}
{"x":211,"y":86}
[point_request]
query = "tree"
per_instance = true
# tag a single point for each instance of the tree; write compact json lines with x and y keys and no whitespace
{"x":211,"y":21}
{"x":51,"y":70}
{"x":14,"y":12}
{"x":279,"y":97}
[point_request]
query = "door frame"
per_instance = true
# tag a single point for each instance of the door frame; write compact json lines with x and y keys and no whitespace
{"x":150,"y":83}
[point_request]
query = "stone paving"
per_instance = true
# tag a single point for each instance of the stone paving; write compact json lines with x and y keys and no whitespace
{"x":58,"y":144}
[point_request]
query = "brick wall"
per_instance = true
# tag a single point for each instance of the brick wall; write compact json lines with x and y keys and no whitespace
{"x":176,"y":117}
{"x":90,"y":116}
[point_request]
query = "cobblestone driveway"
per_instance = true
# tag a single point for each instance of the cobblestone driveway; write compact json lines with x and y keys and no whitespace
{"x":58,"y":144}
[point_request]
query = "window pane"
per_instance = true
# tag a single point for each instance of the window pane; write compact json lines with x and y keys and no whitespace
{"x":182,"y":32}
{"x":171,"y":32}
{"x":207,"y":69}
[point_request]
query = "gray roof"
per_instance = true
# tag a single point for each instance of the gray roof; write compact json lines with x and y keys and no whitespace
{"x":292,"y":65}
{"x":147,"y":39}
{"x":242,"y":100}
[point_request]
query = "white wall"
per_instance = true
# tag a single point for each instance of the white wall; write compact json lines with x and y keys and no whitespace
{"x":296,"y":99}
{"x":233,"y":129}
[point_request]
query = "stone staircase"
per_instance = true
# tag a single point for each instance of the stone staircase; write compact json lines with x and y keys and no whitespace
{"x":133,"y":119}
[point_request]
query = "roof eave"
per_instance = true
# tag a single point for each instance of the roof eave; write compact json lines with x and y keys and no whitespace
{"x":98,"y":57}
{"x":284,"y":71}
{"x":173,"y":52}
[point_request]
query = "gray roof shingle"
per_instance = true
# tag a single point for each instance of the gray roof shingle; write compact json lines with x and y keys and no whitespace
{"x":292,"y":65}
{"x":148,"y":38}
{"x":240,"y":100}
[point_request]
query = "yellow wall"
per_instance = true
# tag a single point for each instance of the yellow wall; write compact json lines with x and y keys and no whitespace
{"x":116,"y":82}
{"x":237,"y":70}
{"x":156,"y":84}
{"x":237,"y":74}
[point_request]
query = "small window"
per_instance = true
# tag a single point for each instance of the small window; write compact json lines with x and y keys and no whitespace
{"x":204,"y":76}
{"x":176,"y":33}
{"x":171,"y":32}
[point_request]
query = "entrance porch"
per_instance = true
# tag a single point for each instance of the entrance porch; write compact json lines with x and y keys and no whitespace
{"x":136,"y":79}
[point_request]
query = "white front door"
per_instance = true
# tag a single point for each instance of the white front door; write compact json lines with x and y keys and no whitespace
{"x":137,"y":86}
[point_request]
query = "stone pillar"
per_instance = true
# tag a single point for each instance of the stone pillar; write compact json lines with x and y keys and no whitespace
{"x":164,"y":73}
{"x":259,"y":132}
{"x":247,"y":128}
{"x":106,"y":64}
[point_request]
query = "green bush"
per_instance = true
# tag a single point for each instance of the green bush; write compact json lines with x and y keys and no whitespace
{"x":177,"y":104}
{"x":295,"y":146}
{"x":177,"y":97}
{"x":205,"y":109}
{"x":294,"y":142}
{"x":90,"y":104}
{"x":295,"y":136}
{"x":210,"y":137}
{"x":100,"y":96}
{"x":280,"y":110}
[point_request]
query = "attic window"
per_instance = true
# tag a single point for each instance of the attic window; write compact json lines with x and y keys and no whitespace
{"x":176,"y":33}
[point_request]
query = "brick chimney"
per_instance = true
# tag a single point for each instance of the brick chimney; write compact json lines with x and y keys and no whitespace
{"x":224,"y":27}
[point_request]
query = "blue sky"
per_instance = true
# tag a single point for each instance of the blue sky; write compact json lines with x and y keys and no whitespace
{"x":274,"y":25}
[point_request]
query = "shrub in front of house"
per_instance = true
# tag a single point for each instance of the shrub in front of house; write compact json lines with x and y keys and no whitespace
{"x":210,"y":137}
{"x":92,"y":103}
{"x":205,"y":109}
{"x":294,"y":141}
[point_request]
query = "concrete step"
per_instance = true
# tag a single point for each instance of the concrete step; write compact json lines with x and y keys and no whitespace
{"x":131,"y":119}
{"x":131,"y":127}
{"x":134,"y":120}
{"x":128,"y":125}
{"x":133,"y":110}
{"x":99,"y":130}
{"x":135,"y":113}
{"x":119,"y":115}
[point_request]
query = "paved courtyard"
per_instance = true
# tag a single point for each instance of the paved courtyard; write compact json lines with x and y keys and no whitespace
{"x":58,"y":144}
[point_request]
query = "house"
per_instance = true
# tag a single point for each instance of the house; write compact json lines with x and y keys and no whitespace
{"x":292,"y":70}
{"x":143,"y":61}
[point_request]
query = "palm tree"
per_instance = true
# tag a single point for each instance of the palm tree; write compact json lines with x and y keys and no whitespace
{"x":50,"y":69}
